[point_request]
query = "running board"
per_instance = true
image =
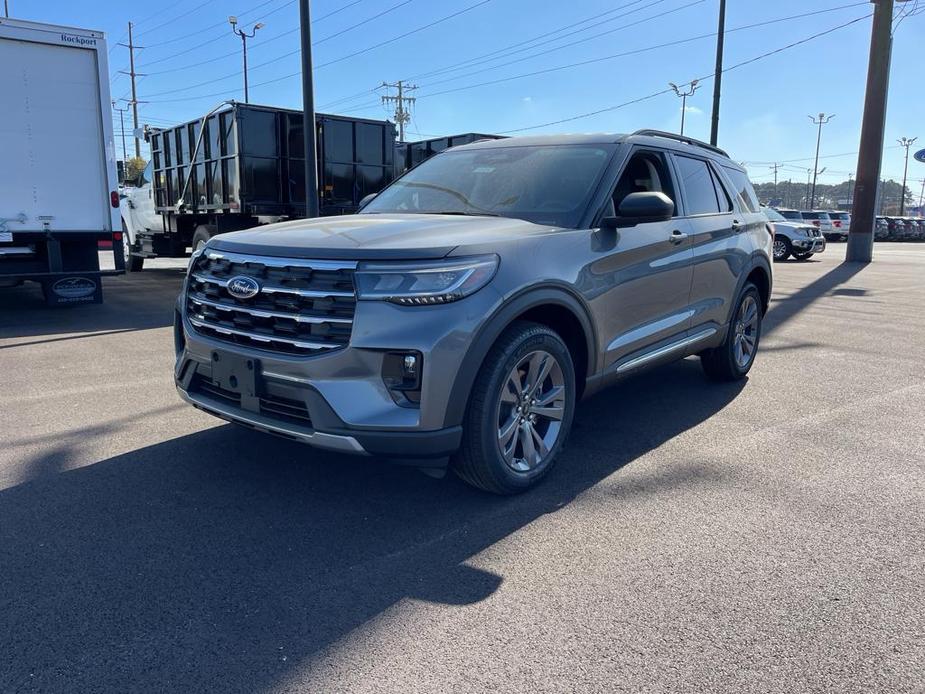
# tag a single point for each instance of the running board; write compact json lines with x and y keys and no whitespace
{"x":666,"y":350}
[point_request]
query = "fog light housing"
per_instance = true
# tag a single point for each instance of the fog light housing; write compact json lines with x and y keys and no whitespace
{"x":401,"y":373}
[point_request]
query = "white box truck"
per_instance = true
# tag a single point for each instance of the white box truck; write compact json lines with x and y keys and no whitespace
{"x":58,"y":185}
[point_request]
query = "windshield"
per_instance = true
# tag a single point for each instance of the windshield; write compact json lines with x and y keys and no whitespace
{"x":773,"y":215}
{"x":544,"y":184}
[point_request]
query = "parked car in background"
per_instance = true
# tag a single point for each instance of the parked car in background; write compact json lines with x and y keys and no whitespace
{"x":789,"y":215}
{"x":795,"y":238}
{"x":841,"y":223}
{"x":881,"y":229}
{"x":469,"y":306}
{"x":819,"y":219}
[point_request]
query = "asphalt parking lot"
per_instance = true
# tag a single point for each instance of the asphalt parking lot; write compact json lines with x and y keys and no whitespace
{"x":757,"y":537}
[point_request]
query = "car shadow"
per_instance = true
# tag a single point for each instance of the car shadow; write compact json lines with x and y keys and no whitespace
{"x":222,"y":559}
{"x":137,"y":301}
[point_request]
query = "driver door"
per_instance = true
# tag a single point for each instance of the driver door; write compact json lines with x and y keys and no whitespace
{"x":144,"y":214}
{"x":645,"y":271}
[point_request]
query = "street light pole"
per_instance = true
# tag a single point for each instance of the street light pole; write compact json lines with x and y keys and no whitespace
{"x":233,"y":21}
{"x":823,"y":119}
{"x":692,"y":87}
{"x":907,"y":143}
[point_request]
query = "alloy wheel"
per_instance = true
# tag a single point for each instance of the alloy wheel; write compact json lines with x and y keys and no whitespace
{"x":746,"y":332}
{"x":530,"y":411}
{"x":780,"y":249}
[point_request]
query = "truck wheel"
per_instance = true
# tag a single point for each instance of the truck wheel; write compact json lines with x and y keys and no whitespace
{"x":201,"y":237}
{"x":520,"y":411}
{"x":733,"y":359}
{"x":782,"y":248}
{"x":133,"y":263}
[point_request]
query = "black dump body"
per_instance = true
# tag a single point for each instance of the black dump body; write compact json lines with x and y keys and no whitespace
{"x":251,"y":162}
{"x":410,"y":154}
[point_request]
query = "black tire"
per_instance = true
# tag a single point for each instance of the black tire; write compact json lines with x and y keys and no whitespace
{"x":133,"y":263}
{"x":201,"y":236}
{"x":782,"y":248}
{"x":479,"y":461}
{"x":720,"y":364}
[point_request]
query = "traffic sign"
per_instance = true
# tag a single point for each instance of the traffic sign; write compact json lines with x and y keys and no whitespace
{"x":919,"y":156}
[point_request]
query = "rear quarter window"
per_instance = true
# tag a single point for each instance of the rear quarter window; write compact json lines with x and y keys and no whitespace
{"x":743,"y":188}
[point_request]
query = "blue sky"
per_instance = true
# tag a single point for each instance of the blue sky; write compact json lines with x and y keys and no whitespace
{"x":765,"y":103}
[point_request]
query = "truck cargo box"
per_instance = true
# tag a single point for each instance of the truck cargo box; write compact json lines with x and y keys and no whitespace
{"x":410,"y":154}
{"x":251,"y":162}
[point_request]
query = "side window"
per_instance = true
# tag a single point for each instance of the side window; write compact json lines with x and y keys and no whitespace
{"x":699,"y":190}
{"x":646,"y":171}
{"x":744,"y":189}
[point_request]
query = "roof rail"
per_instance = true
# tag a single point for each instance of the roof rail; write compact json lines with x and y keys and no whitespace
{"x":681,"y":138}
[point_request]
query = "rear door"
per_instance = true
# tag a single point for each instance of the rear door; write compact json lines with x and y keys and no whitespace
{"x":53,"y":167}
{"x":720,"y":248}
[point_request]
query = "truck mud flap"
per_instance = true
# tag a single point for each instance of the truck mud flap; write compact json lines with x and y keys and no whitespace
{"x":73,"y":290}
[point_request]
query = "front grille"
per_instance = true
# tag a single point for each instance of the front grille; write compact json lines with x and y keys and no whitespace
{"x":302,"y":307}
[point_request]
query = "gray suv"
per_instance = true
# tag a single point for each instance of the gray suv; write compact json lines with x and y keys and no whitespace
{"x":461,"y":315}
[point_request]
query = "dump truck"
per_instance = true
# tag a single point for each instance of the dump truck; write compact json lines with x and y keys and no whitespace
{"x":243,"y":165}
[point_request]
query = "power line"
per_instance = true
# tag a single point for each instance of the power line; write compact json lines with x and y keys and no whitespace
{"x":285,"y":55}
{"x":179,"y":16}
{"x":624,"y":54}
{"x":705,"y":77}
{"x":348,"y":56}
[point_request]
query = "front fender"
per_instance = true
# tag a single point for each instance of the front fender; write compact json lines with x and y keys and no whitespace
{"x":495,"y":324}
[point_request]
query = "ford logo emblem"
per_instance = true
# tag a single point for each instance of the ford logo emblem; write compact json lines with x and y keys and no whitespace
{"x":242,"y":287}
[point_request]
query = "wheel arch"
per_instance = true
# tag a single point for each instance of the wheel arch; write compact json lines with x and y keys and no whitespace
{"x":552,"y":306}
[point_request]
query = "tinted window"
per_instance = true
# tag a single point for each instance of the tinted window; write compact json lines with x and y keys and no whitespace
{"x":791,"y":214}
{"x":722,"y":195}
{"x":811,"y":215}
{"x":548,"y":184}
{"x":700,"y":195}
{"x":743,"y":188}
{"x":773,"y":215}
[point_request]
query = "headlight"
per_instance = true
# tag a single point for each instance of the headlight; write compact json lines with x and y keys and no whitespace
{"x":427,"y":282}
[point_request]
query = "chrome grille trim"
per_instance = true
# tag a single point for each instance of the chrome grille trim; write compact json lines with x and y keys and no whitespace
{"x":272,"y":261}
{"x":257,"y":337}
{"x":303,"y":306}
{"x":298,"y":317}
{"x":274,"y":289}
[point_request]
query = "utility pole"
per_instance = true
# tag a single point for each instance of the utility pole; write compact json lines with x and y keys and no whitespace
{"x":233,"y":21}
{"x":922,"y":200}
{"x":823,"y":119}
{"x":861,"y":237}
{"x":790,"y":192}
{"x":907,"y":143}
{"x":718,"y":74}
{"x":775,"y":166}
{"x":308,"y":113}
{"x":402,"y":114}
{"x":809,"y":176}
{"x":121,"y":128}
{"x":131,"y":73}
{"x":692,"y":87}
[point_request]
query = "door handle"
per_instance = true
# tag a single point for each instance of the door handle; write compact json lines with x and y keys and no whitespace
{"x":737,"y":226}
{"x":677,"y":237}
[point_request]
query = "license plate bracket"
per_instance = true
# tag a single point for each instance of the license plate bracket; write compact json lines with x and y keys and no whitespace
{"x":238,"y":374}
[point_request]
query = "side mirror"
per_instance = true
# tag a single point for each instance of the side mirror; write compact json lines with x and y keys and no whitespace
{"x":366,"y":200}
{"x":639,"y":208}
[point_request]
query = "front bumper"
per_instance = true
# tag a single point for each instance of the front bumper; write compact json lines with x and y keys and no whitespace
{"x":339,"y":400}
{"x":809,"y":245}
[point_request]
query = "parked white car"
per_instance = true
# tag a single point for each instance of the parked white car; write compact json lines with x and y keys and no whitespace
{"x":799,"y":239}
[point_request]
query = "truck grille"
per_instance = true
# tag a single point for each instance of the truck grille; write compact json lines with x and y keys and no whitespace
{"x":301,"y":307}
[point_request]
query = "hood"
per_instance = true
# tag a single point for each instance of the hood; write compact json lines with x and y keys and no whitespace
{"x":793,"y":225}
{"x":379,"y":236}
